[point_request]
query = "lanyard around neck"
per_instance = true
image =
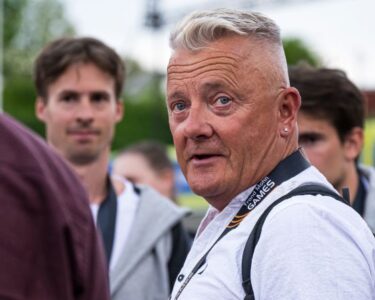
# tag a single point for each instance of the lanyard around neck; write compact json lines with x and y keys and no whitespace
{"x":286,"y":169}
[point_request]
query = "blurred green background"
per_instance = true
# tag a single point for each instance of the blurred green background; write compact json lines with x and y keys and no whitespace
{"x":29,"y":25}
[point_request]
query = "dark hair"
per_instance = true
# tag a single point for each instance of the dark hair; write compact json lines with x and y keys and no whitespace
{"x":60,"y":54}
{"x":154,"y":152}
{"x":328,"y":94}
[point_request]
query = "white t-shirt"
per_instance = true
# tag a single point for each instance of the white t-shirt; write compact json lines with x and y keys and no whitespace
{"x":127,"y":204}
{"x":311,"y":247}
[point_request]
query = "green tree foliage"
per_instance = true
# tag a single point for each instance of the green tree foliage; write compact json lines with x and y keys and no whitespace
{"x":296,"y":52}
{"x":145,"y":110}
{"x":13,"y":15}
{"x":42,"y":21}
{"x":28,"y":26}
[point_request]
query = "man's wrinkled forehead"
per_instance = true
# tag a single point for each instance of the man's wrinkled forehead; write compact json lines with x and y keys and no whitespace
{"x":234,"y":45}
{"x":187,"y":64}
{"x":229,"y":50}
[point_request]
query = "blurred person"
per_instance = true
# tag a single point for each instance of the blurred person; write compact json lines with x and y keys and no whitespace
{"x":79,"y":83}
{"x":233,"y":118}
{"x":48,"y":243}
{"x":331,"y":125}
{"x":147,"y":162}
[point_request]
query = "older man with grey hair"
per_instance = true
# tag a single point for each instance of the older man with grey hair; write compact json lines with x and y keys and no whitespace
{"x":232,"y":114}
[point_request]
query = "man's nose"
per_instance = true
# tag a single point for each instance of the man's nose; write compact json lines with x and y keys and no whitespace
{"x":85,"y":111}
{"x":196,"y":125}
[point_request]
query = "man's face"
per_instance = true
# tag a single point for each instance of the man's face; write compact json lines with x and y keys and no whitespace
{"x":223,"y":117}
{"x":136,"y":168}
{"x":80,"y":113}
{"x":323,"y":147}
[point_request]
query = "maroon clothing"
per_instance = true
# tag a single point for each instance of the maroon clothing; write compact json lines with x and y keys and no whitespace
{"x":48,"y":244}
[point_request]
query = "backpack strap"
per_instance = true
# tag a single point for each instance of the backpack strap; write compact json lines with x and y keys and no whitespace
{"x":181,"y":244}
{"x":308,"y":189}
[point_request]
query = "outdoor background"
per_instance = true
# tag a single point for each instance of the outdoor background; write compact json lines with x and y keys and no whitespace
{"x":331,"y":33}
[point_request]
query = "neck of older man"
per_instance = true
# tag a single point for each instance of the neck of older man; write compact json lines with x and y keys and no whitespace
{"x":221,"y":201}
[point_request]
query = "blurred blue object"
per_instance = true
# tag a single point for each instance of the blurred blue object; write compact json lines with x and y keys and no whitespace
{"x":182,"y":186}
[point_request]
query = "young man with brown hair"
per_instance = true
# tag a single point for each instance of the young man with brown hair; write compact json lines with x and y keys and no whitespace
{"x":331,"y":131}
{"x":79,"y":83}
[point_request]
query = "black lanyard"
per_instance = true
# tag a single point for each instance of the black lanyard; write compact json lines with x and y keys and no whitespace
{"x":286,"y":169}
{"x":107,"y":219}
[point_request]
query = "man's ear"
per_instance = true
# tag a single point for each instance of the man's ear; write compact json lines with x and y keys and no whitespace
{"x":120,"y":110}
{"x":353,"y":143}
{"x":289,"y":102}
{"x":40,"y":109}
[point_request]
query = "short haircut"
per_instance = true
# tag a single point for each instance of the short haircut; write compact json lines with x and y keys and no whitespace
{"x":60,"y":54}
{"x":200,"y":28}
{"x":154,"y":152}
{"x":329,"y":95}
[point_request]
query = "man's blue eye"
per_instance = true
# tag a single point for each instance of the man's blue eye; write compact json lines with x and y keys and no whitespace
{"x":223,"y":100}
{"x":180,"y":106}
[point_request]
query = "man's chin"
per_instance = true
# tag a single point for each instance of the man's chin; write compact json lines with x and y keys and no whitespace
{"x":204,"y":188}
{"x":81,"y":159}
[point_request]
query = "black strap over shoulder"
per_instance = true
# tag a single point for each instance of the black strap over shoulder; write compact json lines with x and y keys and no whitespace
{"x":181,"y":244}
{"x":308,"y":189}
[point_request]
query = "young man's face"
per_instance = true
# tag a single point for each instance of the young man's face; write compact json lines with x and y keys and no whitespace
{"x":324,"y":148}
{"x":80,"y":113}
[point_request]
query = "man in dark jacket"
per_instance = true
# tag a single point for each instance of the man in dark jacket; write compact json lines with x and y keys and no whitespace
{"x":48,"y":243}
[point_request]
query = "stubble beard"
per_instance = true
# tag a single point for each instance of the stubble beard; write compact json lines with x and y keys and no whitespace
{"x":82,"y":159}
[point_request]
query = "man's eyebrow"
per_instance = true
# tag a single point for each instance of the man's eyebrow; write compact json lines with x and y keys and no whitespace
{"x":67,"y":91}
{"x":213,"y":86}
{"x":74,"y":92}
{"x":99,"y":92}
{"x":176,"y":95}
{"x":310,"y":134}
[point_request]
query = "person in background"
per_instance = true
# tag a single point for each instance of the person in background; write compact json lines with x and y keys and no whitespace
{"x":147,"y":162}
{"x":49,"y":248}
{"x":79,"y":84}
{"x":331,"y":125}
{"x":233,"y":118}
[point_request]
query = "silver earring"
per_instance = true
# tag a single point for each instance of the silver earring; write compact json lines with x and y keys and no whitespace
{"x":286,"y":129}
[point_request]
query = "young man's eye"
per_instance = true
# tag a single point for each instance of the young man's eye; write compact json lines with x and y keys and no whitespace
{"x":309,"y":139}
{"x":99,"y":97}
{"x":68,"y":98}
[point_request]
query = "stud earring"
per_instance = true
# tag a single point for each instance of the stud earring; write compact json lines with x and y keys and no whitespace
{"x":286,"y":129}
